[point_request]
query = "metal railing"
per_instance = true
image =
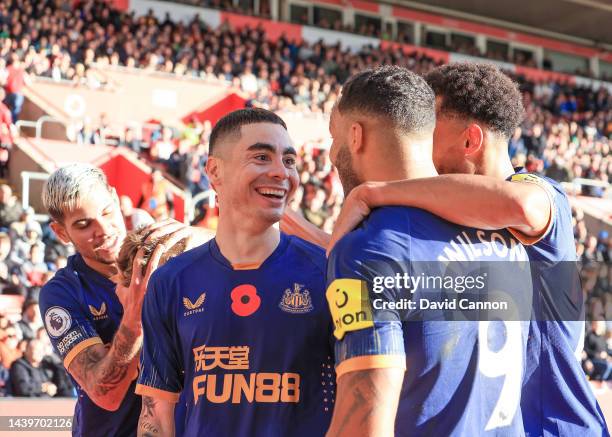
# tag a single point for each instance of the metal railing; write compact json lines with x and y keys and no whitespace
{"x":212,"y":202}
{"x":575,"y":185}
{"x":38,"y":124}
{"x":26,"y":177}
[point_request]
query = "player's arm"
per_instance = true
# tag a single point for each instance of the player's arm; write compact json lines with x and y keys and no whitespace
{"x":366,"y":403}
{"x":468,"y":200}
{"x":156,"y":418}
{"x":161,"y":375}
{"x":293,"y":223}
{"x":106,"y":374}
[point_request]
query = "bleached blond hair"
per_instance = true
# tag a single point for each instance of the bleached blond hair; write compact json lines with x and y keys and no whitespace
{"x":68,"y":185}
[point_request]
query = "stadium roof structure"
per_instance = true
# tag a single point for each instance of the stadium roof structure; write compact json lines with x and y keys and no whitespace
{"x":584,"y":21}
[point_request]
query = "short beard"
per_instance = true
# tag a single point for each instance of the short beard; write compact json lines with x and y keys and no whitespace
{"x":344,"y":164}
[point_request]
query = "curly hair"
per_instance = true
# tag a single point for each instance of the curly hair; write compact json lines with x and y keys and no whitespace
{"x":392,"y":92}
{"x":480,"y":92}
{"x":138,"y":239}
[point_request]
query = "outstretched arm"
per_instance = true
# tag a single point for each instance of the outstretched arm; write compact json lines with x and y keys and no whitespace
{"x":468,"y":200}
{"x":293,"y":223}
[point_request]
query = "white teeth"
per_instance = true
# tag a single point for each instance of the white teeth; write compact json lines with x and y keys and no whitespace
{"x":272,"y":192}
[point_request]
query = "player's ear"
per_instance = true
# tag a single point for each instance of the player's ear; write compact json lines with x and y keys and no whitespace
{"x":355,"y":139}
{"x":214,"y":170}
{"x":474,"y":138}
{"x":60,"y":231}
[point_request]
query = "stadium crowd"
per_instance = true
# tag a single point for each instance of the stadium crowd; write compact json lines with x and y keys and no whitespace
{"x":565,"y":135}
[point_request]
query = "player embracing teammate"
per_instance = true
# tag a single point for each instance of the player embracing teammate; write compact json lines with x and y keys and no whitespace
{"x":238,"y":330}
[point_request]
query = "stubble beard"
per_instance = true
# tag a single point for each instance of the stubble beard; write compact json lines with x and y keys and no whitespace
{"x":344,"y":165}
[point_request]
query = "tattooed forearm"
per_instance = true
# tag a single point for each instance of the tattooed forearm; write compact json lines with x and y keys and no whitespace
{"x":149,"y":422}
{"x":148,"y":429}
{"x":126,"y":344}
{"x":108,"y":372}
{"x":148,"y":407}
{"x":366,"y":403}
{"x":365,"y":399}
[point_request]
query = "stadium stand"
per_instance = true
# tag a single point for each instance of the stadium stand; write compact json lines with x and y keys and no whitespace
{"x":72,"y":64}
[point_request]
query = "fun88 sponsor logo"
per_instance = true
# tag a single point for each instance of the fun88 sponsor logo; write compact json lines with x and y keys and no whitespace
{"x":236,"y":387}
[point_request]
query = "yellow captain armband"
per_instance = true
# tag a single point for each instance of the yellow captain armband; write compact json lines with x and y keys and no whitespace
{"x":534,"y":179}
{"x":349,"y":305}
{"x":531,"y":178}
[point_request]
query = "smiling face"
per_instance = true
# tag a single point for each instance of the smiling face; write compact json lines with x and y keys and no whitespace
{"x":95,"y":227}
{"x":255,"y":173}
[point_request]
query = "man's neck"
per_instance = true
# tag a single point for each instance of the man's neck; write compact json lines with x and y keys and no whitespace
{"x":416,"y":162}
{"x":244,"y":244}
{"x":495,"y":162}
{"x":106,"y":270}
{"x":499,"y":171}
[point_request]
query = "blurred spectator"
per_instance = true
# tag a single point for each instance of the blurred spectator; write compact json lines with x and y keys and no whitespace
{"x":53,"y":366}
{"x":30,"y":320}
{"x":559,"y":171}
{"x":517,"y":144}
{"x":15,"y":81}
{"x":8,"y":132}
{"x":162,"y":149}
{"x":5,"y":275}
{"x":10,"y":208}
{"x":156,"y":198}
{"x":35,"y":268}
{"x":134,"y":217}
{"x":598,"y":364}
{"x":8,"y":345}
{"x":131,"y":141}
{"x":28,"y":377}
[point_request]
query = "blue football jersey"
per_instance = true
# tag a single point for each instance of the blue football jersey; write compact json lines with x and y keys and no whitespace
{"x":80,"y":309}
{"x":463,"y":376}
{"x":249,"y":349}
{"x":557,"y":398}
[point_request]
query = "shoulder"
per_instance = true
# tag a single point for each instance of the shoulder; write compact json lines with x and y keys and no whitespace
{"x":179,"y":264}
{"x":19,"y":364}
{"x":385,"y":228}
{"x":553,"y":187}
{"x":64,"y":285}
{"x":311,"y":253}
{"x":384,"y":235}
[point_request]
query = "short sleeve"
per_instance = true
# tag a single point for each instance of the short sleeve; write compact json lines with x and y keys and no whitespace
{"x":531,"y":178}
{"x":160,"y":368}
{"x":68,"y":325}
{"x":366,"y":336}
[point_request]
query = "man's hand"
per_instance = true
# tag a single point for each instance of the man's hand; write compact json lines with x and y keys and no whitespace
{"x":355,"y":209}
{"x":49,"y":388}
{"x":106,"y":373}
{"x":132,"y":297}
